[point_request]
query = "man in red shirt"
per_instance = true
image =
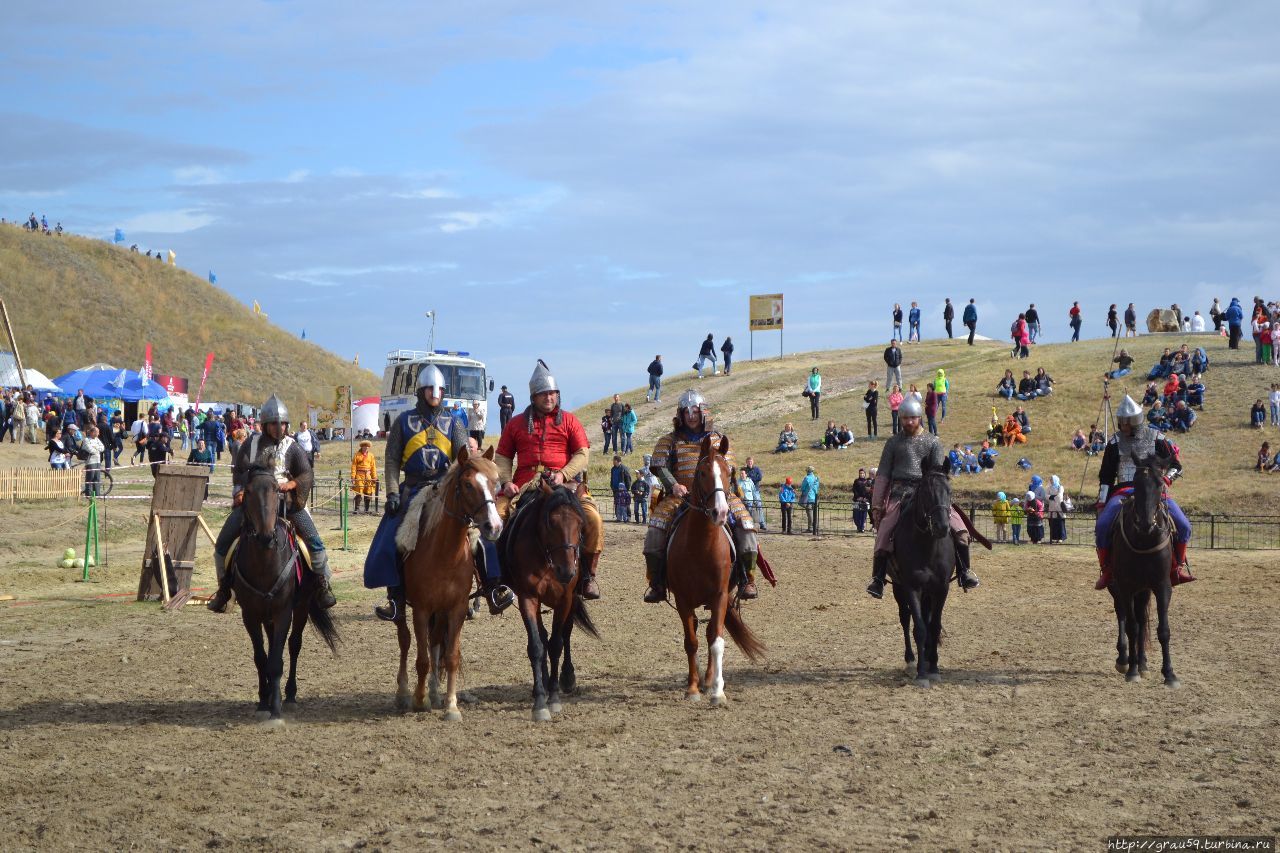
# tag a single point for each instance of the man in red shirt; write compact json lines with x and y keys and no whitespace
{"x":545,"y":439}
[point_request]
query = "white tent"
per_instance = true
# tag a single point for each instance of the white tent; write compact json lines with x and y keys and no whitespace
{"x":366,"y":414}
{"x":9,"y":375}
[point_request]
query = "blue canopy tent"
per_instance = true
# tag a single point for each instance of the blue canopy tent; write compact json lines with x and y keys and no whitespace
{"x":103,"y":382}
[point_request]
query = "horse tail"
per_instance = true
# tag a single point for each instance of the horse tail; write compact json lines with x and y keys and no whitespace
{"x":322,"y":621}
{"x":582,"y":618}
{"x":743,"y":638}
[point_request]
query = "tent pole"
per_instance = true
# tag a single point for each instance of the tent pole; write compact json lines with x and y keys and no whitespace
{"x":13,"y":345}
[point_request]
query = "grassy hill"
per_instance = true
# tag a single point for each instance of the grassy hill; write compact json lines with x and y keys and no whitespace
{"x":75,"y":301}
{"x":753,"y":402}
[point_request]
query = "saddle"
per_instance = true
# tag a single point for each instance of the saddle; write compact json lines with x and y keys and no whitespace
{"x":304,"y":554}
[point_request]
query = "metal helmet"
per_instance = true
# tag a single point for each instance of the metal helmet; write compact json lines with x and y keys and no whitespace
{"x":1129,"y":412}
{"x":911,"y":408}
{"x":542,"y":381}
{"x":691,"y":399}
{"x":431,"y":377}
{"x":273,"y":412}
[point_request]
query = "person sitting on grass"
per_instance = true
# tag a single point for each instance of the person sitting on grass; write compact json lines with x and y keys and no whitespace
{"x":955,"y":459}
{"x":1097,"y":441}
{"x":829,"y":440}
{"x":1184,"y":417}
{"x":995,"y":432}
{"x":1264,"y":458}
{"x":1079,"y":441}
{"x":1013,"y":432}
{"x":1124,"y":365}
{"x":987,"y":456}
{"x":1008,"y":386}
{"x":1152,"y":394}
{"x":787,"y":439}
{"x":1195,"y":392}
{"x":1172,"y":391}
{"x":1163,"y":367}
{"x":1020,"y":415}
{"x":1158,"y":417}
{"x":1026,"y":386}
{"x":1044,"y":383}
{"x":970,"y":461}
{"x":1258,"y":414}
{"x":844,"y":437}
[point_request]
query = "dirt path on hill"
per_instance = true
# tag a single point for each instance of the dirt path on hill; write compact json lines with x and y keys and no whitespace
{"x":123,"y":726}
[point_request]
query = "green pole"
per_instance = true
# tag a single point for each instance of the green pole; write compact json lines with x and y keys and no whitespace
{"x":345,"y":507}
{"x":90,"y":535}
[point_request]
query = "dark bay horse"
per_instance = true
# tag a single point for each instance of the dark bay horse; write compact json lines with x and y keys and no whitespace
{"x":699,"y":566}
{"x":1141,"y":554}
{"x":438,"y":575}
{"x":540,"y":549}
{"x":924,"y":556}
{"x":276,"y":596}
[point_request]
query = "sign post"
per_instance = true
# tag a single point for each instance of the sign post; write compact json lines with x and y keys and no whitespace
{"x":765,"y":315}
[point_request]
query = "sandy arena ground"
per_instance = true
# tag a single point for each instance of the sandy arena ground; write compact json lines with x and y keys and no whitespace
{"x":125,"y":726}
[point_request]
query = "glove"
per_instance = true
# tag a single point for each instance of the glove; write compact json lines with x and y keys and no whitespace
{"x":393,"y":504}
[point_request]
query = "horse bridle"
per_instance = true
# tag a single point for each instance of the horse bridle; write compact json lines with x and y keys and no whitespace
{"x":1162,"y":513}
{"x":467,"y":518}
{"x":286,"y":566}
{"x":702,"y":506}
{"x":574,"y":548}
{"x":915,"y":506}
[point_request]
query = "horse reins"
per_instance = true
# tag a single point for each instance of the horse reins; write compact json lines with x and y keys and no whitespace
{"x":465,"y":517}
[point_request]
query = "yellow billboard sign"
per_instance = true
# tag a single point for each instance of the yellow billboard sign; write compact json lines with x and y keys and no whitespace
{"x":766,"y":312}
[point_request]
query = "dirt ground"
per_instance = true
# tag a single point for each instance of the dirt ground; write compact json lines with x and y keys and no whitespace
{"x":125,"y":726}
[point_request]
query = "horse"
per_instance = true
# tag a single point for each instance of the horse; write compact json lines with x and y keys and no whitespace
{"x":1141,"y":554}
{"x":923,"y":559}
{"x":438,"y":575}
{"x":699,"y":567}
{"x":276,"y":596}
{"x":541,"y":547}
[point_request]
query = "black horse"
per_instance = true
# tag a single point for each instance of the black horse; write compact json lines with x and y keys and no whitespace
{"x":924,"y":556}
{"x":274,"y":594}
{"x":1141,"y":554}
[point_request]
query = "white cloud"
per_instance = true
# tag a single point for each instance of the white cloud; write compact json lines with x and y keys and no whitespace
{"x":168,"y":221}
{"x":198,"y":175}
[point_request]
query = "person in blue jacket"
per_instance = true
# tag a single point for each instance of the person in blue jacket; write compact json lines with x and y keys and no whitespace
{"x":787,"y":503}
{"x":1234,"y":315}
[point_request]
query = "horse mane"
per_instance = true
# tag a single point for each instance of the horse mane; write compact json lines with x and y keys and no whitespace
{"x":560,"y":497}
{"x":424,"y":511}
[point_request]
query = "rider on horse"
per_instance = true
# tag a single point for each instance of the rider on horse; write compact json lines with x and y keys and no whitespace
{"x":1135,"y":440}
{"x":423,"y":441}
{"x":274,"y":449}
{"x":896,"y":480}
{"x":674,"y":463}
{"x":546,"y":440}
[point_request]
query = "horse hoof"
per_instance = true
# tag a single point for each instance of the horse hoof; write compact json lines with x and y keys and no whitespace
{"x":541,"y":715}
{"x":719,"y":701}
{"x":262,"y":715}
{"x":568,"y":685}
{"x":272,"y":723}
{"x":935,"y":677}
{"x":403,"y":701}
{"x":923,"y":683}
{"x":1172,"y":683}
{"x":693,"y":697}
{"x":1133,"y":676}
{"x":1121,"y":668}
{"x":437,"y":704}
{"x":453,"y":716}
{"x":556,"y":708}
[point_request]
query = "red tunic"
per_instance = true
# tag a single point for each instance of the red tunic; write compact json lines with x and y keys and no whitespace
{"x":547,"y":449}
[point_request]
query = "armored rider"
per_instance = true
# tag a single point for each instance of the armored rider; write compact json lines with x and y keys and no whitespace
{"x":272,"y":448}
{"x":422,"y":443}
{"x":1134,"y":438}
{"x":674,"y":463}
{"x":546,"y":440}
{"x":898,"y":477}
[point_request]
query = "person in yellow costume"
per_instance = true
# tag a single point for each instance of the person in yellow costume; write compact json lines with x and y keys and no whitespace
{"x":364,"y":475}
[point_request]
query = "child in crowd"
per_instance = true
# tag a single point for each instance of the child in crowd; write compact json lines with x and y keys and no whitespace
{"x":1034,"y":508}
{"x":1000,"y":517}
{"x":1016,"y":516}
{"x":1264,"y":457}
{"x":787,"y":503}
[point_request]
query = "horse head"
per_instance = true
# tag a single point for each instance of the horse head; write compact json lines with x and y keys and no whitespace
{"x":1148,"y":490}
{"x":474,"y":497}
{"x":560,"y":530}
{"x":262,"y":503}
{"x":711,"y":479}
{"x":933,"y":500}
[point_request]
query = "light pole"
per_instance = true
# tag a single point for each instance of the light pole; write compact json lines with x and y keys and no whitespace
{"x":431,"y":341}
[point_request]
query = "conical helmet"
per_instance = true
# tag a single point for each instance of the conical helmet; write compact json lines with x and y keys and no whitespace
{"x":691,"y":399}
{"x":911,"y":408}
{"x":1129,"y":412}
{"x":273,"y":411}
{"x":431,"y":377}
{"x":542,"y":380}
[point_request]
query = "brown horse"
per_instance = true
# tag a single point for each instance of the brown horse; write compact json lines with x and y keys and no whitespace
{"x":540,"y":550}
{"x":699,"y":565}
{"x":438,"y":575}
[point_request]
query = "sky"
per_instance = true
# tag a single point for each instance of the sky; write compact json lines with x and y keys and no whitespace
{"x":594,"y":183}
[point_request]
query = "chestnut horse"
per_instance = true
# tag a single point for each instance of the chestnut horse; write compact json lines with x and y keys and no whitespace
{"x":438,"y":575}
{"x":540,"y":551}
{"x":699,"y":566}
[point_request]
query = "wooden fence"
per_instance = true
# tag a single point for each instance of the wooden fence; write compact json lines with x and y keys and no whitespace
{"x":39,"y":484}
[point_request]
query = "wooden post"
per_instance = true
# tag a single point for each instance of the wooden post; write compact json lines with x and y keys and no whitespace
{"x":13,"y":344}
{"x":164,"y":569}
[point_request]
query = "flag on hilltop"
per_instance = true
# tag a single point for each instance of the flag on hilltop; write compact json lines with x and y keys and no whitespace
{"x":257,"y":309}
{"x":213,"y":279}
{"x":304,"y":334}
{"x":173,"y":258}
{"x":119,"y":238}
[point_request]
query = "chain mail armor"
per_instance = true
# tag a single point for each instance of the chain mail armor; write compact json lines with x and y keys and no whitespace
{"x":903,"y":457}
{"x":675,"y":460}
{"x":1118,"y":467}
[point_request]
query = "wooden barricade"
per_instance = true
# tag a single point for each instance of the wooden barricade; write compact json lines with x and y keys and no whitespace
{"x":40,"y":484}
{"x":169,"y":557}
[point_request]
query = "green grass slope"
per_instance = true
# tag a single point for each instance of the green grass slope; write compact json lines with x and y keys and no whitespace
{"x":75,"y":301}
{"x":757,"y":398}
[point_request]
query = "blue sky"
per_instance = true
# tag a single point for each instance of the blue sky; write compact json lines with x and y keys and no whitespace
{"x":594,"y":183}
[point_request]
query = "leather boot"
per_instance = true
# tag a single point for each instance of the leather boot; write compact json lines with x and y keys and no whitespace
{"x":968,"y":580}
{"x":656,"y":573}
{"x":1104,"y":563}
{"x":221,"y":598}
{"x":879,"y":571}
{"x":748,"y":591}
{"x":587,"y":586}
{"x":394,"y":606}
{"x":496,"y":594}
{"x":320,"y":568}
{"x":1180,"y":573}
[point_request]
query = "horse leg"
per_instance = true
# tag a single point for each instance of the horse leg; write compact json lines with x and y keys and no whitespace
{"x":1163,"y":594}
{"x":935,"y":632}
{"x":275,"y":665}
{"x":295,"y":648}
{"x":568,"y":678}
{"x":689,"y":619}
{"x":920,"y":631}
{"x":533,"y":628}
{"x":715,"y":650}
{"x":436,"y":627}
{"x":422,"y":636}
{"x":1134,"y":632}
{"x":1142,"y":611}
{"x":1122,"y":647}
{"x":402,"y":678}
{"x":453,"y":661}
{"x":554,"y":647}
{"x":259,"y":662}
{"x":904,"y":616}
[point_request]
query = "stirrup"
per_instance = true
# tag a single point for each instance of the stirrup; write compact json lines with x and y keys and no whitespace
{"x":499,"y":598}
{"x":875,"y":589}
{"x":324,"y":594}
{"x":220,"y":600}
{"x":967,"y":580}
{"x":386,"y":612}
{"x":655,"y":594}
{"x":747,"y":592}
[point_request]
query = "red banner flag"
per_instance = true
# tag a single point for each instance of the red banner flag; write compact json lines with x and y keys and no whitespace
{"x":208,"y":363}
{"x":146,"y":366}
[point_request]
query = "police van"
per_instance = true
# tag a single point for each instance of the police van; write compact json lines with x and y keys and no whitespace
{"x":465,"y":381}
